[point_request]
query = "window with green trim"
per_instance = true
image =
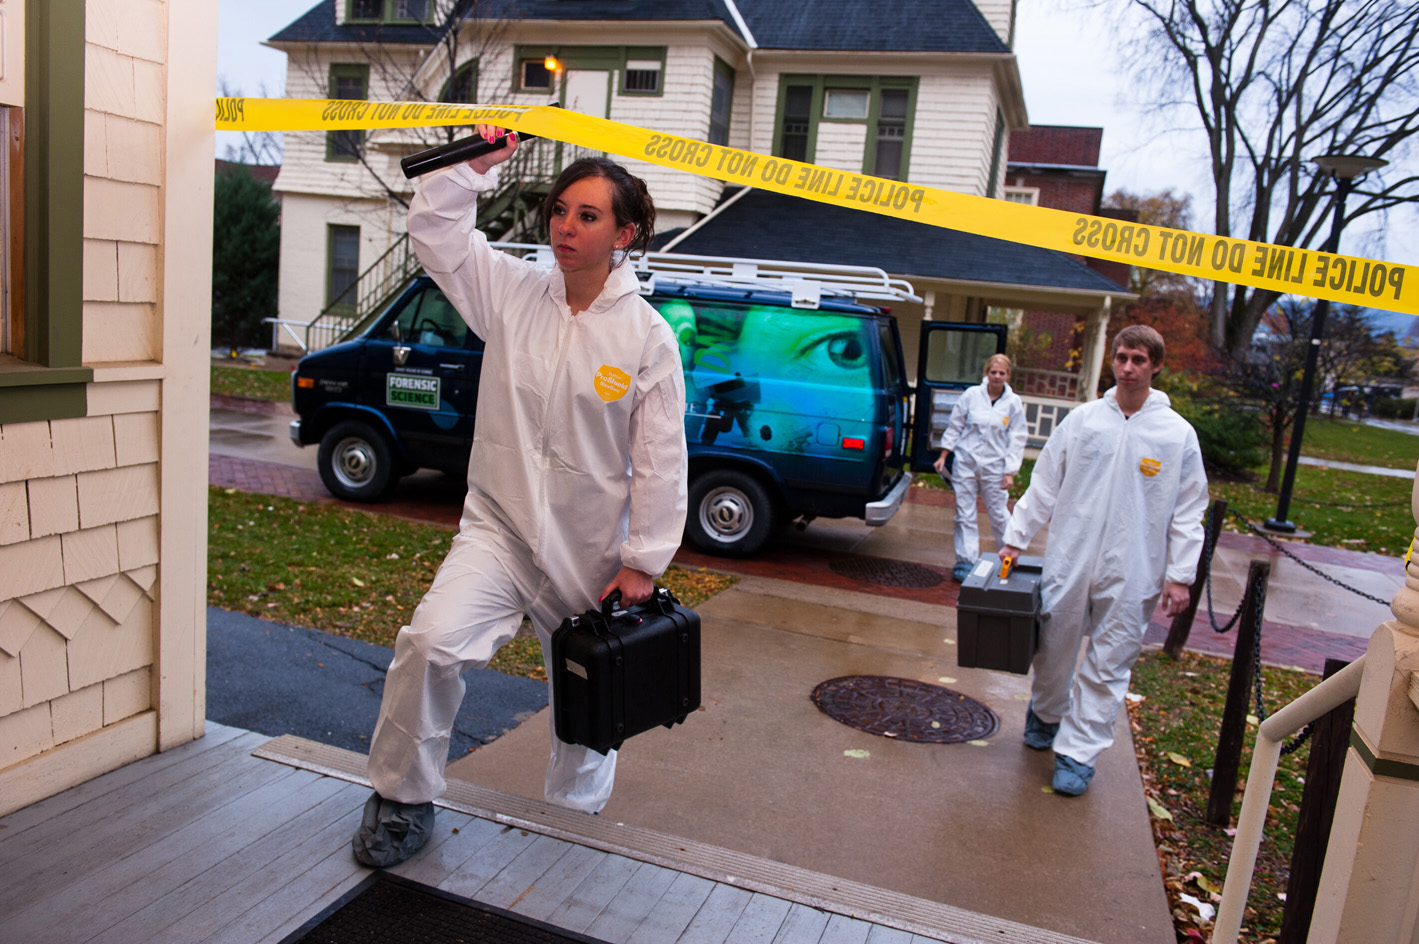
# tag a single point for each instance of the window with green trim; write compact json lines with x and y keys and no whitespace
{"x":462,"y":88}
{"x":389,"y":11}
{"x":884,"y":105}
{"x":721,"y":98}
{"x":642,"y":70}
{"x":342,"y":265}
{"x":42,"y":376}
{"x":350,"y":81}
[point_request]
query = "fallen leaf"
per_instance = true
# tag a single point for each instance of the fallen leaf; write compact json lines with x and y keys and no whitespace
{"x":979,"y":743}
{"x":946,"y":680}
{"x":1046,"y":789}
{"x":857,"y":752}
{"x":936,"y":724}
{"x":1158,"y":810}
{"x":1134,"y":697}
{"x":1207,"y":886}
{"x":357,"y":581}
{"x":949,"y":642}
{"x":1178,"y":759}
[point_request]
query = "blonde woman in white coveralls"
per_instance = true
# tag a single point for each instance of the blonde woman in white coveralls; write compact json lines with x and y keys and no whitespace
{"x":576,"y":483}
{"x":987,"y":434}
{"x":1122,"y":486}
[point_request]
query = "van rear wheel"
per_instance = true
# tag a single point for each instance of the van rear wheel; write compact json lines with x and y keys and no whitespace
{"x":356,"y":462}
{"x":731,"y":514}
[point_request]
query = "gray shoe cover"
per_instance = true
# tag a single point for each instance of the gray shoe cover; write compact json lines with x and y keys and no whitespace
{"x":391,"y":832}
{"x":1071,"y":778}
{"x":1039,"y":734}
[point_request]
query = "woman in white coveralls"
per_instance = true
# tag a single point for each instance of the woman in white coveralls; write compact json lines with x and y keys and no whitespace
{"x":576,"y":484}
{"x":987,"y":434}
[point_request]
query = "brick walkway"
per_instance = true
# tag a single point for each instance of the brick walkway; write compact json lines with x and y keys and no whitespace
{"x":441,"y":505}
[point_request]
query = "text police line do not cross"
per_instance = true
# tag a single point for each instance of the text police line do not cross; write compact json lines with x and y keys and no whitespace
{"x":1285,"y":269}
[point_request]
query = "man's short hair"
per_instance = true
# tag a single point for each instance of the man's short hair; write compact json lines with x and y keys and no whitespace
{"x":1141,"y":338}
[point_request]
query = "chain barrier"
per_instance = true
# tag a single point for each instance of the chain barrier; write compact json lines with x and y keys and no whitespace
{"x":1257,"y":529}
{"x":1258,"y":594}
{"x":1210,"y":541}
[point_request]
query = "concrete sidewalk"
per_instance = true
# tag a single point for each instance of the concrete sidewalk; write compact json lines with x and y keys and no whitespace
{"x":761,"y":770}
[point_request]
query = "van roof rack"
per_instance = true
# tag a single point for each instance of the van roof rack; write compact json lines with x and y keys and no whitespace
{"x":806,"y":282}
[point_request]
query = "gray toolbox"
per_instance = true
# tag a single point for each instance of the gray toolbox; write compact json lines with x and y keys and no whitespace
{"x":998,"y":621}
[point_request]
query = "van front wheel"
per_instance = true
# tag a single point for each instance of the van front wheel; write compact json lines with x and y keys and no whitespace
{"x":356,"y":462}
{"x":731,"y":514}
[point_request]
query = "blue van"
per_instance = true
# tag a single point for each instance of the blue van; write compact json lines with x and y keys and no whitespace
{"x":797,"y":402}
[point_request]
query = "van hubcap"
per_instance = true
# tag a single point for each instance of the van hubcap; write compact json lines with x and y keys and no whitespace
{"x":354,"y":462}
{"x":726,"y":514}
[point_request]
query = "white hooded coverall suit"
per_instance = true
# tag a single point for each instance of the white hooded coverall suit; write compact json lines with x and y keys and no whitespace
{"x":1124,"y":498}
{"x":578,"y":467}
{"x":988,"y":440}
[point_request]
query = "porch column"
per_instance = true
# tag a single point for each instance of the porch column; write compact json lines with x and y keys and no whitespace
{"x":1369,"y":888}
{"x":1096,"y":334}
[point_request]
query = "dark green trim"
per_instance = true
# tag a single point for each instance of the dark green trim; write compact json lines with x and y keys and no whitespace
{"x":468,"y":68}
{"x":996,"y":152}
{"x":54,"y":182}
{"x":361,"y":71}
{"x":723,"y":70}
{"x":330,"y":230}
{"x":644,"y":54}
{"x":1380,"y":767}
{"x":52,"y":401}
{"x":875,"y":85}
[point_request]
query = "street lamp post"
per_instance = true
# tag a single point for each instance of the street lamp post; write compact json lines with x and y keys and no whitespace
{"x":1343,"y":169}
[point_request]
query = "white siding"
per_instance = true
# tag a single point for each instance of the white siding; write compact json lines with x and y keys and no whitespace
{"x":997,"y":13}
{"x":841,"y":146}
{"x":954,"y":130}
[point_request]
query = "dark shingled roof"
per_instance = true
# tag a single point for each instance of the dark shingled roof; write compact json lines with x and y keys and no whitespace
{"x":318,"y":24}
{"x":768,"y":225}
{"x":882,"y":25}
{"x":843,"y":25}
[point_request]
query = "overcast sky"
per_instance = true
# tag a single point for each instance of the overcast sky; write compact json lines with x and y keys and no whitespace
{"x":1066,"y":63}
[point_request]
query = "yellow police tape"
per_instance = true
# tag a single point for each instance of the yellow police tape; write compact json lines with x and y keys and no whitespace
{"x":1347,"y":279}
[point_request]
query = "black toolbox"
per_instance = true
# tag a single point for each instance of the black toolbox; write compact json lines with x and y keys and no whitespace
{"x":618,"y":672}
{"x":998,"y":620}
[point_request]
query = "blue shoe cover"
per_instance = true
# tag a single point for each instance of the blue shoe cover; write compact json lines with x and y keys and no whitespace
{"x":1039,"y":734}
{"x":960,"y":572}
{"x":391,"y":832}
{"x":1071,"y":778}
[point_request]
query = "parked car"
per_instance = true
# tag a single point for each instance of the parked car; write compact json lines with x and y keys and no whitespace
{"x":798,"y":405}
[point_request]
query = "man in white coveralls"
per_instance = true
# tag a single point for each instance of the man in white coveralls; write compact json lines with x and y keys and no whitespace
{"x":1122,"y":486}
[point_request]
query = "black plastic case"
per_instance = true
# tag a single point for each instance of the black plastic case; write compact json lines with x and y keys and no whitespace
{"x":998,"y":621}
{"x":618,"y":672}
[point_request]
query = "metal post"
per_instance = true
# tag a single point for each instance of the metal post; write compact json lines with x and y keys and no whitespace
{"x":1234,"y":715}
{"x":1298,"y":425}
{"x":1330,"y":738}
{"x":1182,"y":623}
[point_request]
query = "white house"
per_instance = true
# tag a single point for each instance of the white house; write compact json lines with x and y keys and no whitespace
{"x":926,"y":91}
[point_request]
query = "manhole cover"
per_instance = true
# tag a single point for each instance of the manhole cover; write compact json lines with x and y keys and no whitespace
{"x":886,"y":573}
{"x":905,"y":709}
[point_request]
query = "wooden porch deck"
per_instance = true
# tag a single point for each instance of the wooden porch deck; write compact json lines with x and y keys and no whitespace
{"x":238,"y":838}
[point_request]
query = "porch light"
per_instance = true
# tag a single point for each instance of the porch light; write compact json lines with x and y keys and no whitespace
{"x":552,"y":64}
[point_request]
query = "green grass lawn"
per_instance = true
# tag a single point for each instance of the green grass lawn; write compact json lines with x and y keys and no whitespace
{"x":254,"y":382}
{"x":1344,"y":441}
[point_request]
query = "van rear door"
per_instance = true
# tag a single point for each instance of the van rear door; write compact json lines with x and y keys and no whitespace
{"x":951,"y":358}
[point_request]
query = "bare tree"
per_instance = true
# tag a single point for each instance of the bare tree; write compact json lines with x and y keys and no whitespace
{"x":1276,"y":83}
{"x":440,"y":64}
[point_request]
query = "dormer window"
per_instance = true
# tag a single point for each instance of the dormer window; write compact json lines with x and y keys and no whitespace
{"x":388,"y":11}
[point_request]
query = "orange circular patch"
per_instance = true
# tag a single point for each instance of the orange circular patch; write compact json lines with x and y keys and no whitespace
{"x":1150,"y":467}
{"x":611,"y":383}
